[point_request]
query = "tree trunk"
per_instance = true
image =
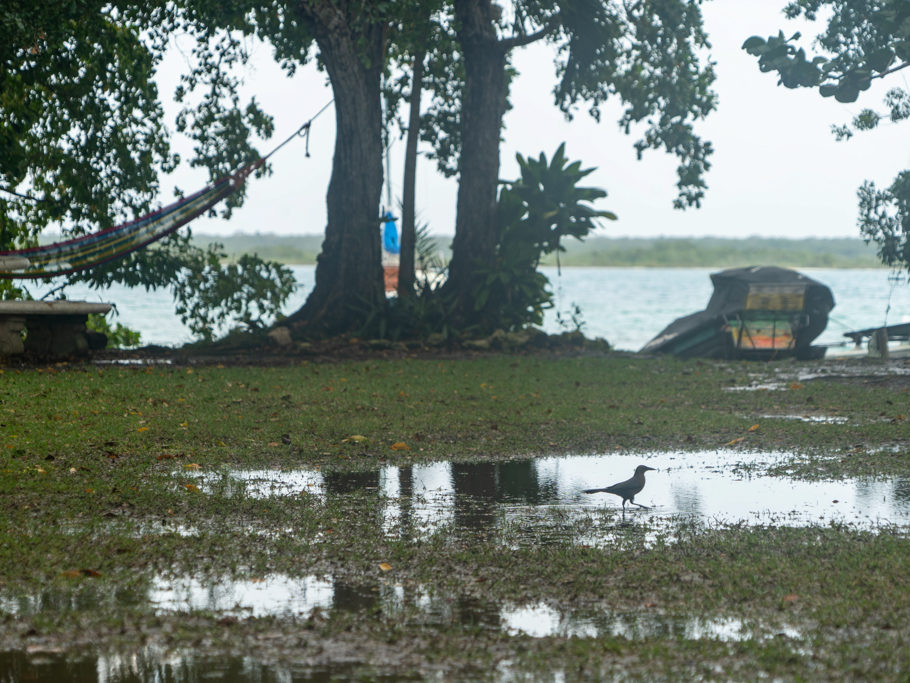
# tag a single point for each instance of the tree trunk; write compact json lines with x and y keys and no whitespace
{"x":483,"y":107}
{"x":406,"y":274}
{"x":349,"y":282}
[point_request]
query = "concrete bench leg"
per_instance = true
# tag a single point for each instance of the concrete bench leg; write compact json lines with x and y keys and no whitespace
{"x":60,"y":337}
{"x":11,"y":336}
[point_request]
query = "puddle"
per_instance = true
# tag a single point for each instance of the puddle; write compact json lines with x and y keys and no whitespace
{"x":278,"y":595}
{"x":816,"y":419}
{"x":157,"y":665}
{"x":301,"y":598}
{"x":714,"y":487}
{"x":783,"y":379}
{"x":542,"y":620}
{"x":141,"y":362}
{"x":273,"y":595}
{"x":307,"y":597}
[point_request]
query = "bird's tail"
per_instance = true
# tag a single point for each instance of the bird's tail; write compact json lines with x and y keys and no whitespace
{"x":594,"y":491}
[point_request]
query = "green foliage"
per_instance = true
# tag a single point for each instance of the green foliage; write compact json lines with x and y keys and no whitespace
{"x":884,"y":218}
{"x":535,"y":212}
{"x":82,"y":135}
{"x":424,"y":313}
{"x":212,"y":295}
{"x":860,"y":43}
{"x":647,"y":54}
{"x":83,"y":140}
{"x":209,"y":295}
{"x":9,"y":291}
{"x":119,"y":336}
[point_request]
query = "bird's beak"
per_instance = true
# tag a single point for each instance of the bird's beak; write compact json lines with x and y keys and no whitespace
{"x":653,"y":469}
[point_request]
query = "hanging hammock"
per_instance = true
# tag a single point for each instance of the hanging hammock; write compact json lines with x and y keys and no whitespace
{"x":91,"y":250}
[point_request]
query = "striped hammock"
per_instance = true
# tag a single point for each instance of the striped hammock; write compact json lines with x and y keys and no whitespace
{"x":91,"y":250}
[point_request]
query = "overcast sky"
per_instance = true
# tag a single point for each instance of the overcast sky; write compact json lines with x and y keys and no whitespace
{"x":777,"y":170}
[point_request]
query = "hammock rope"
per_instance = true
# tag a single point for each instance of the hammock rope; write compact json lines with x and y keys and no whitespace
{"x":87,"y":251}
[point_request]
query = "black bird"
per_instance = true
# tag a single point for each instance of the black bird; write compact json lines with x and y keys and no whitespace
{"x":628,"y":488}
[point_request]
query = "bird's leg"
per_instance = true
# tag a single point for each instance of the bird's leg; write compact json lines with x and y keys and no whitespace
{"x":639,"y":505}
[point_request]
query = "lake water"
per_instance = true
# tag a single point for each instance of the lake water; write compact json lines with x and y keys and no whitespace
{"x":625,"y":306}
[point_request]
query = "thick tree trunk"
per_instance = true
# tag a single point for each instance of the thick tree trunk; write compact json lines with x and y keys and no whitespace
{"x":349,"y":283}
{"x":406,"y":274}
{"x":483,"y":107}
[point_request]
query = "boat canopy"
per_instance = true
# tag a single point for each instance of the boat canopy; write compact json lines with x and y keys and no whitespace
{"x":754,"y":312}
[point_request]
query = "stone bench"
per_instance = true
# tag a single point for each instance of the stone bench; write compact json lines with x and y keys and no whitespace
{"x":53,"y":329}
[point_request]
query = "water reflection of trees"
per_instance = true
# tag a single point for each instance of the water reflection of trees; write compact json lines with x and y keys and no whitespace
{"x":360,"y":594}
{"x":687,"y":499}
{"x":475,"y":495}
{"x":145,"y":665}
{"x":901,"y":489}
{"x":871,"y":493}
{"x":340,"y":483}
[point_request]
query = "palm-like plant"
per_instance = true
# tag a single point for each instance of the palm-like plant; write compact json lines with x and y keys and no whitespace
{"x":535,"y":212}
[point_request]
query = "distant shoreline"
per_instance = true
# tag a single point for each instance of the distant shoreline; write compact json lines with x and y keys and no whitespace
{"x":609,"y":252}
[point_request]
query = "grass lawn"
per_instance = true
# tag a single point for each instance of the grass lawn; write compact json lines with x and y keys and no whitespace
{"x":117,"y":493}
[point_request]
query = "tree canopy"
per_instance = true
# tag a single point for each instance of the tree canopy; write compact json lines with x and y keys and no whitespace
{"x":860,"y":42}
{"x":649,"y":57}
{"x":86,"y":145}
{"x":82,"y":135}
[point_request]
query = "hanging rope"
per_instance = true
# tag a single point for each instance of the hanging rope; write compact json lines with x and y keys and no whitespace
{"x":894,"y":277}
{"x":91,"y":250}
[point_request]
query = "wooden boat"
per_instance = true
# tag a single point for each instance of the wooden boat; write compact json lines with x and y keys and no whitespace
{"x":760,"y":312}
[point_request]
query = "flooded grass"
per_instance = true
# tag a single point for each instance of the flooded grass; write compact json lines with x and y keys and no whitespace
{"x":706,"y":486}
{"x":174,"y":523}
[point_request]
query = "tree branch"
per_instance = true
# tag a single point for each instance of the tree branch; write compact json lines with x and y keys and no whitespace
{"x":891,"y":71}
{"x":507,"y":44}
{"x":19,"y":194}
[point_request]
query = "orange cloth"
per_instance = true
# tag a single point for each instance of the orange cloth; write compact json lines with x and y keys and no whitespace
{"x":391,"y":278}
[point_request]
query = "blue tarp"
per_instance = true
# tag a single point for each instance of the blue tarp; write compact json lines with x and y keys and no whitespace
{"x":390,"y":234}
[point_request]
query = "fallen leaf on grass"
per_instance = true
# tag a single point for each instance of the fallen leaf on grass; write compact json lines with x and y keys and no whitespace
{"x":400,"y":446}
{"x":192,"y":466}
{"x":753,"y":428}
{"x":191,"y":487}
{"x":76,"y":573}
{"x":355,"y":438}
{"x":735,"y":441}
{"x":385,"y":566}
